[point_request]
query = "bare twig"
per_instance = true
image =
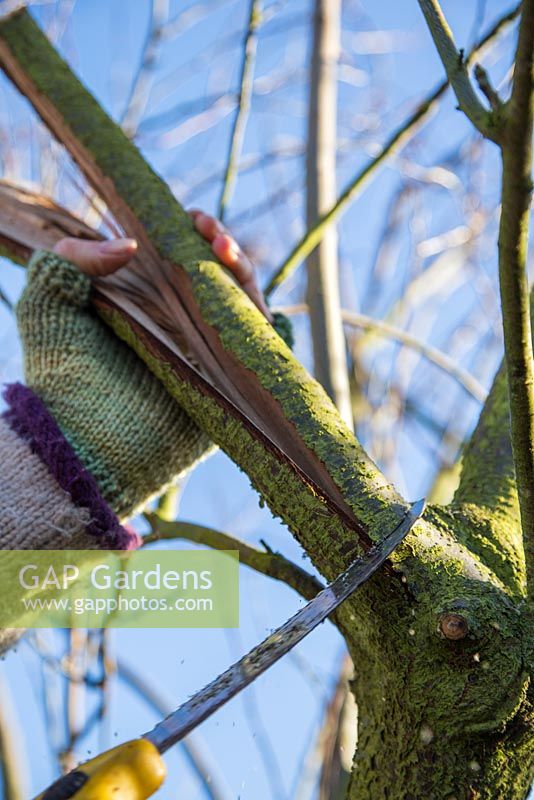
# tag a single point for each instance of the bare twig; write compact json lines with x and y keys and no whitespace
{"x":513,"y":240}
{"x":400,"y":137}
{"x":245,"y":94}
{"x":485,"y":86}
{"x":5,"y":300}
{"x":75,"y":707}
{"x":14,"y":769}
{"x":140,"y":88}
{"x":268,"y":563}
{"x":433,"y":354}
{"x":482,"y":118}
{"x":336,"y":752}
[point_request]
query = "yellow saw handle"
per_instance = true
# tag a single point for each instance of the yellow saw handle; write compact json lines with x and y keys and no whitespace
{"x":131,"y":771}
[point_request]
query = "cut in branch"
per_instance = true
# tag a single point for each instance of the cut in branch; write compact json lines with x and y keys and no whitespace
{"x":25,"y":225}
{"x":398,"y":139}
{"x":482,"y":118}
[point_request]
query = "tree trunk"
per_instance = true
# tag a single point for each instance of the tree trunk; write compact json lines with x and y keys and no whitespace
{"x":423,"y":735}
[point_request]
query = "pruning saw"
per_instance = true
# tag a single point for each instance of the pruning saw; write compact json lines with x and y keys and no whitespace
{"x":135,"y":770}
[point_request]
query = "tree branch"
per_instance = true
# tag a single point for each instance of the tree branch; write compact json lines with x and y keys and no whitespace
{"x":13,"y":761}
{"x":202,"y":336}
{"x":432,"y":354}
{"x":484,"y":120}
{"x":140,"y":87}
{"x":396,"y":141}
{"x":268,"y":563}
{"x":29,"y":221}
{"x":246,"y":83}
{"x":221,"y":360}
{"x":322,"y":267}
{"x":513,"y":241}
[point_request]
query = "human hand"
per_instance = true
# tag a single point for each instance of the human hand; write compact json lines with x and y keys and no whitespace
{"x":104,"y":258}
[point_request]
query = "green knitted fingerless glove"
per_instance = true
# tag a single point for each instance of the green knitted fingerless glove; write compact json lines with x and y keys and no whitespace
{"x":122,"y":423}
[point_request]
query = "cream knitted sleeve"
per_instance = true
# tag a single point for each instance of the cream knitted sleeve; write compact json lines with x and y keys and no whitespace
{"x":35,"y":512}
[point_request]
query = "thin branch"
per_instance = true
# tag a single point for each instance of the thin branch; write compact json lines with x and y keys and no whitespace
{"x":140,"y":87}
{"x":14,"y":769}
{"x":268,"y":563}
{"x":486,"y":87}
{"x":322,"y":266}
{"x":193,"y":747}
{"x":513,"y":241}
{"x":482,"y":118}
{"x":5,"y":300}
{"x":399,"y":138}
{"x":169,"y":502}
{"x":245,"y":94}
{"x":76,"y":719}
{"x":437,"y":357}
{"x":340,"y":718}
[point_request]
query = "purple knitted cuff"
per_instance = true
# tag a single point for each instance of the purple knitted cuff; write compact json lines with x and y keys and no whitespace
{"x":28,"y":417}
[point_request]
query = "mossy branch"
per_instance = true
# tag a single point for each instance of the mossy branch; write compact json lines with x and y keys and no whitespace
{"x":245,"y":366}
{"x":28,"y":221}
{"x":485,"y":120}
{"x":513,"y":240}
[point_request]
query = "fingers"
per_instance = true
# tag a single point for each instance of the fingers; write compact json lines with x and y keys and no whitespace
{"x":207,"y":226}
{"x":97,"y":258}
{"x":227,"y":250}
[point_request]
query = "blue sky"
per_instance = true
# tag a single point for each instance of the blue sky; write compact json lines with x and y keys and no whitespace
{"x":390,"y":63}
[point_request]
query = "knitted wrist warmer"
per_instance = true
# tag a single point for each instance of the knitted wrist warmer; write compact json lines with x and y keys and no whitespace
{"x":47,"y":497}
{"x":123,"y":425}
